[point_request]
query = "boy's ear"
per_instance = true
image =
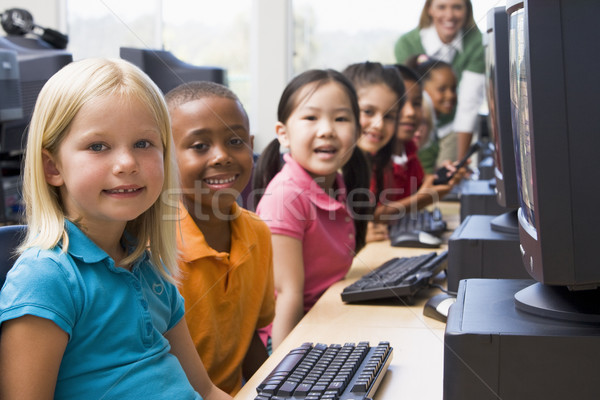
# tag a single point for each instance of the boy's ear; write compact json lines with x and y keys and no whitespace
{"x":51,"y":172}
{"x":282,"y":135}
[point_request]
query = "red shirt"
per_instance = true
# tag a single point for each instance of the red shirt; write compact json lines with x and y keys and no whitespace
{"x":402,"y":177}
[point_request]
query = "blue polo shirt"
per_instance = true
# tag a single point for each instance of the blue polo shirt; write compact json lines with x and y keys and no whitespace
{"x":115,"y":320}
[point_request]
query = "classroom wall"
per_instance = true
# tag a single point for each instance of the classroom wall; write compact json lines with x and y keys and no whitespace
{"x":270,"y":36}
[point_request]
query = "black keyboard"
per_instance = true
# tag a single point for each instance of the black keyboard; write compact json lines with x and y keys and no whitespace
{"x":398,"y":277}
{"x":420,"y":229}
{"x":328,"y":372}
{"x":423,"y":220}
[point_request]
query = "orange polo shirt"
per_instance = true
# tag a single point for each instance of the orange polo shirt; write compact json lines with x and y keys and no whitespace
{"x":227,"y":295}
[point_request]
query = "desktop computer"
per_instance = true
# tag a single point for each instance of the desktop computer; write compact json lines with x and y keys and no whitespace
{"x":486,"y":244}
{"x":540,"y":338}
{"x":168,"y":71}
{"x":475,"y":250}
{"x":478,"y":197}
{"x":10,"y":192}
{"x":24,"y":70}
{"x":495,"y":351}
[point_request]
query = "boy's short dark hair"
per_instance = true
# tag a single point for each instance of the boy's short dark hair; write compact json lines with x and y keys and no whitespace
{"x":197,"y":90}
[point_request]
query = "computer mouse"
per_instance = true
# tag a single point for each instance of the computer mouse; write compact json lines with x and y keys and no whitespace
{"x":438,"y":306}
{"x":416,"y":239}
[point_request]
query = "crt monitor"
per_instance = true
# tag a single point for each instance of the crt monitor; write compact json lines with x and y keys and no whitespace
{"x":167,"y":71}
{"x":36,"y":66}
{"x":499,"y":118}
{"x":554,"y":107}
{"x":11,"y":107}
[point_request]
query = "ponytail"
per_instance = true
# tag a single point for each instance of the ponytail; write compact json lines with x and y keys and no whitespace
{"x":357,"y":177}
{"x":380,"y":162}
{"x":267,"y":166}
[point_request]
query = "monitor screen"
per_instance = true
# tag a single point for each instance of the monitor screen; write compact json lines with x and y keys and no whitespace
{"x":554,"y":117}
{"x":520,"y":117}
{"x":167,"y":71}
{"x":499,"y":116}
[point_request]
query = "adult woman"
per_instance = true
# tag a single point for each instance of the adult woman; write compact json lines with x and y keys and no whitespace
{"x":447,"y":31}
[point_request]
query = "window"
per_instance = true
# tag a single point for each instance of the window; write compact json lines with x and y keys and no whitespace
{"x":197,"y":32}
{"x":335,"y":34}
{"x":215,"y":33}
{"x":100,"y":28}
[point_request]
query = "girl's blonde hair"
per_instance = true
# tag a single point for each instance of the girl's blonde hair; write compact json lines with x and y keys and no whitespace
{"x":426,"y":21}
{"x":57,"y":105}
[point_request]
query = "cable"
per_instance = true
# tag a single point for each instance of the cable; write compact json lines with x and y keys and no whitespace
{"x":438,"y":286}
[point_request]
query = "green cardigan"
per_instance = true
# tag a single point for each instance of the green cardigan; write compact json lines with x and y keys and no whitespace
{"x":470,"y":59}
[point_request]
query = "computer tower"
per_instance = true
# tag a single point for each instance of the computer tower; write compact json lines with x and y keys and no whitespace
{"x":10,"y":194}
{"x":485,"y":168}
{"x":476,"y":250}
{"x":494,"y":351}
{"x":478,"y":197}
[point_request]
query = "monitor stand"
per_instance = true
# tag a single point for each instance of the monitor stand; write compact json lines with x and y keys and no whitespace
{"x":477,"y":250}
{"x":507,"y":223}
{"x":478,"y":197}
{"x":493,"y":350}
{"x":560,"y":303}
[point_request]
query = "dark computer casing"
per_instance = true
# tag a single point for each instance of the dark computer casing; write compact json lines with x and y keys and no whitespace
{"x":475,"y":250}
{"x":478,"y":197}
{"x":168,"y":71}
{"x":494,"y":351}
{"x":11,"y":106}
{"x":534,"y":339}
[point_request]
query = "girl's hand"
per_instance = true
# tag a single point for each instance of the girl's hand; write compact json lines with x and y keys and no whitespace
{"x":377,"y":232}
{"x":450,"y":166}
{"x":183,"y":348}
{"x":217,"y":394}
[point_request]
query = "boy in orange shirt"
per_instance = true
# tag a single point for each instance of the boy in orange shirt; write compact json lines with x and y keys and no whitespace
{"x":226,"y":255}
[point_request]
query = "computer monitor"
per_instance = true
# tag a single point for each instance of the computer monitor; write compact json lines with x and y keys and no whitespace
{"x":553,"y":87}
{"x":499,"y":119}
{"x":11,"y":107}
{"x":36,"y":66}
{"x":33,"y":66}
{"x":167,"y":71}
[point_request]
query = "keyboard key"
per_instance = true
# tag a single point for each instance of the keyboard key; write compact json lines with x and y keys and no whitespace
{"x":303,"y":389}
{"x":287,"y":388}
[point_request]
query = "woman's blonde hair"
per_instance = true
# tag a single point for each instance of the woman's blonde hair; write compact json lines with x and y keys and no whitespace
{"x":57,"y":105}
{"x":425,"y":20}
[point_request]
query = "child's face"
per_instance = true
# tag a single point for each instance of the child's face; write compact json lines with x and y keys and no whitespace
{"x":378,"y":116}
{"x":213,"y":146}
{"x":321,"y":131}
{"x":108,"y":169}
{"x":411,"y":113}
{"x":425,"y":128}
{"x":441,"y":87}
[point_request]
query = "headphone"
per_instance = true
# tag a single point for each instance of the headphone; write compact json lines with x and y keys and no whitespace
{"x":17,"y":21}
